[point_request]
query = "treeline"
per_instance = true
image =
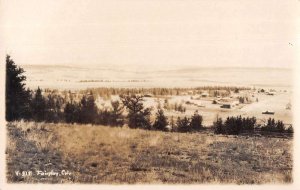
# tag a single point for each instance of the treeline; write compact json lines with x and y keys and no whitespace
{"x":237,"y":125}
{"x":87,"y":112}
{"x":55,"y":109}
{"x":234,"y":125}
{"x":276,"y":126}
{"x":212,"y":91}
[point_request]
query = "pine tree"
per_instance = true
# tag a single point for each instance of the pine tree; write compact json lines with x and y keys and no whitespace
{"x":183,"y":125}
{"x":196,"y":121}
{"x":161,"y":121}
{"x":218,"y":126}
{"x":138,"y":116}
{"x":290,"y":129}
{"x":116,"y":117}
{"x":280,"y":126}
{"x":89,"y":110}
{"x":72,"y":112}
{"x":17,"y":98}
{"x":51,"y":112}
{"x":38,"y":106}
{"x":53,"y":106}
{"x":271,"y":125}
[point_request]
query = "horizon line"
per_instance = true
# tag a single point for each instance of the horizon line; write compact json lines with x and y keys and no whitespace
{"x":167,"y":66}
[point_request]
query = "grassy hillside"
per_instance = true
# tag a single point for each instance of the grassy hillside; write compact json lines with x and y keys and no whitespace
{"x":99,"y":154}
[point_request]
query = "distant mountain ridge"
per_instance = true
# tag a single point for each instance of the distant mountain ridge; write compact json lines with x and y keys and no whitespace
{"x":69,"y":76}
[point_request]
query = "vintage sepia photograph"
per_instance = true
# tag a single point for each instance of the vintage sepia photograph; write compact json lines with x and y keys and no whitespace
{"x":148,"y":92}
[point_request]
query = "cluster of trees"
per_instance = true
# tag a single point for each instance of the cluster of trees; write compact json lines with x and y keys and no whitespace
{"x":22,"y":103}
{"x":86,"y":111}
{"x":216,"y":93}
{"x":213,"y":91}
{"x":237,"y":125}
{"x":185,"y":124}
{"x":108,"y":92}
{"x":234,"y":125}
{"x":189,"y":124}
{"x":177,"y":107}
{"x":226,"y":88}
{"x":47,"y":109}
{"x":137,"y":115}
{"x":276,"y":126}
{"x":25,"y":104}
{"x":244,"y":100}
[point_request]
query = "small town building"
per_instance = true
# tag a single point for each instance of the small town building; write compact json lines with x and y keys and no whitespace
{"x":204,"y":95}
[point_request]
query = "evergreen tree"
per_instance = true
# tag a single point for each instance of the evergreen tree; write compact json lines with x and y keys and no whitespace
{"x":196,"y":121}
{"x":290,"y":129}
{"x":38,"y":106}
{"x":88,"y":111}
{"x":161,"y":121}
{"x":233,"y":125}
{"x":104,"y":117}
{"x":218,"y":126}
{"x":116,"y":117}
{"x":280,"y":126}
{"x":271,"y":125}
{"x":50,"y":106}
{"x":72,"y":112}
{"x":138,"y":116}
{"x":53,"y":106}
{"x":183,"y":125}
{"x":17,"y":98}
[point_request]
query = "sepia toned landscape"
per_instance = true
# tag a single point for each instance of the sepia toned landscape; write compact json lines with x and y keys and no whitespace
{"x":202,"y":89}
{"x":178,"y":139}
{"x":149,"y":92}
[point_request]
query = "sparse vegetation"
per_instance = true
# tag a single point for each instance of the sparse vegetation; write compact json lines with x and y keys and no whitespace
{"x":129,"y":156}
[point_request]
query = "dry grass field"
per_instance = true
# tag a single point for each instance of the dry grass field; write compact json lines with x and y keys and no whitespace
{"x":99,"y":154}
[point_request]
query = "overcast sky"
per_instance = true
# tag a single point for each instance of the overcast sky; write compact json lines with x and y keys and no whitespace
{"x":247,"y":33}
